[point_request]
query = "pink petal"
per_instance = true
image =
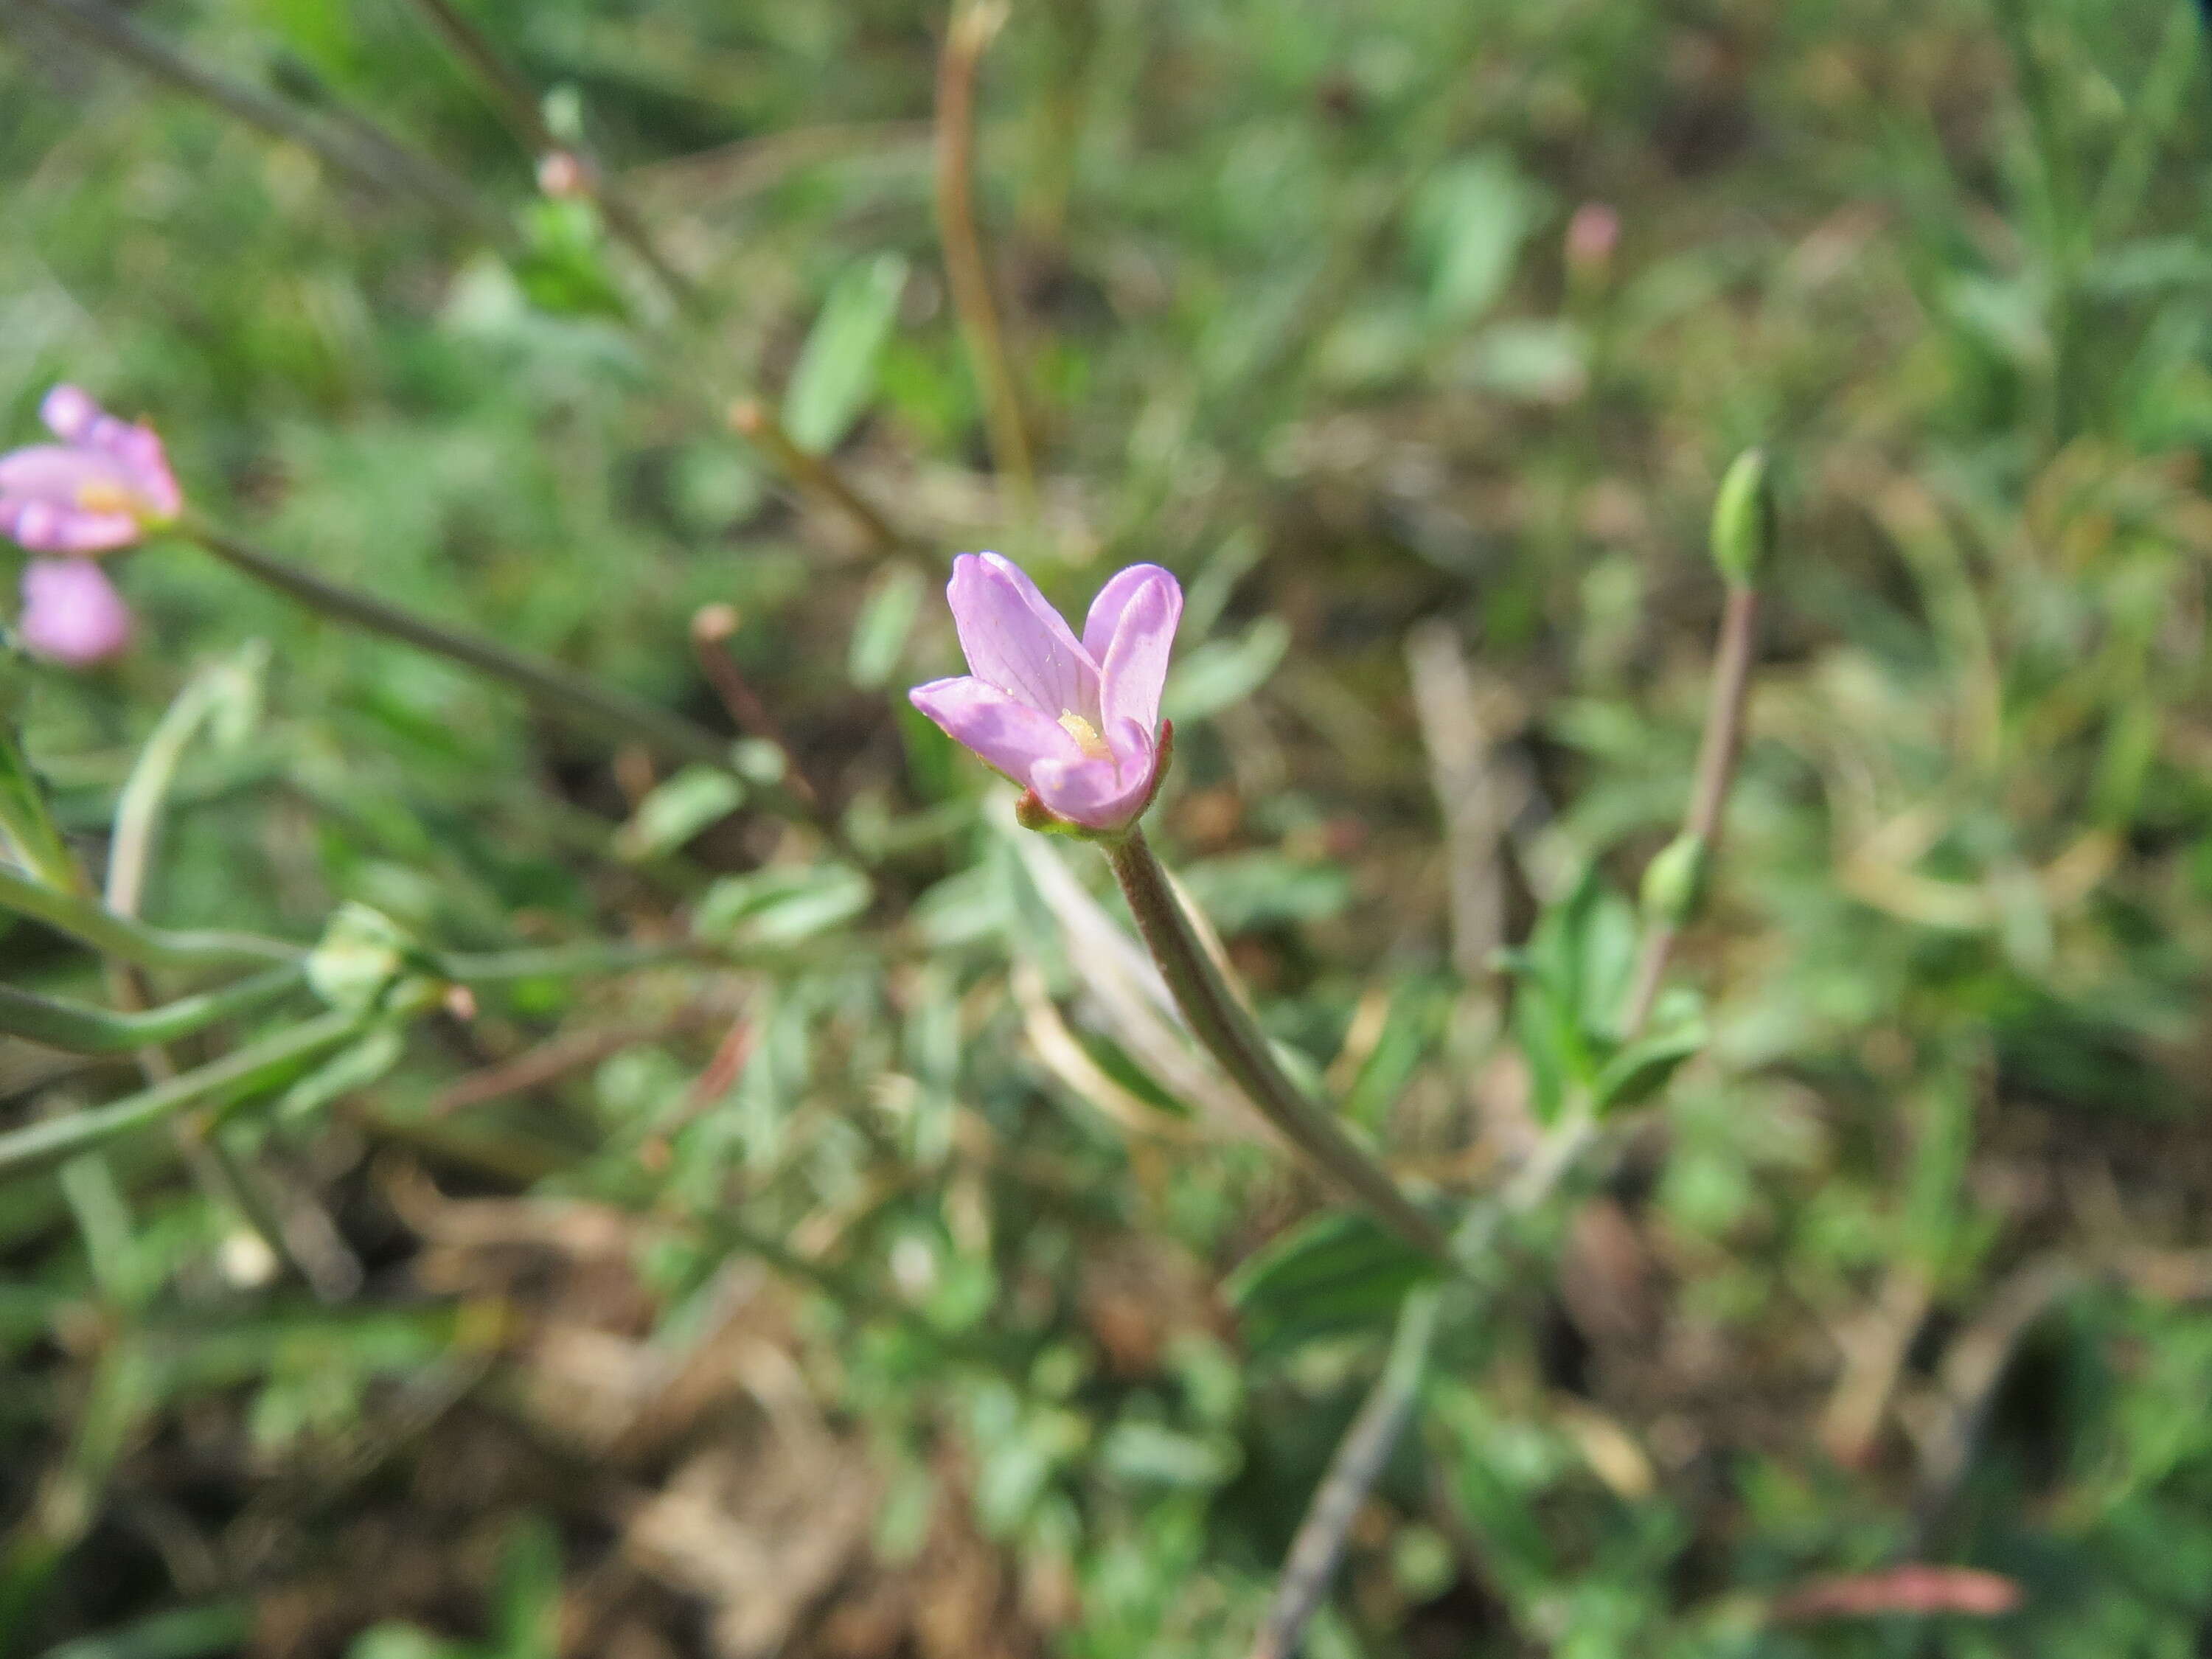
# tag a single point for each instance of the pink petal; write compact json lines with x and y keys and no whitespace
{"x":72,"y":613}
{"x":69,"y":412}
{"x":1105,"y":615}
{"x":1017,"y":641}
{"x":1142,"y":637}
{"x":53,"y":472}
{"x":1105,"y":792}
{"x":138,"y":457}
{"x":43,"y":526}
{"x":121,"y":454}
{"x":1008,"y":734}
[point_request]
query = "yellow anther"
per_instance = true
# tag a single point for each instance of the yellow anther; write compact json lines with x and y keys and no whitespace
{"x":100,"y":496}
{"x":1085,"y":735}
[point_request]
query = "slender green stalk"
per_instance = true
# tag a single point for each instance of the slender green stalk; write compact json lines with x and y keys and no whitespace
{"x":220,"y":1082}
{"x":1743,"y":538}
{"x":518,"y":107}
{"x":372,"y":165}
{"x":145,"y":793}
{"x":1716,"y":757}
{"x":27,"y":830}
{"x":560,"y":691}
{"x":1218,"y":1020}
{"x":1354,"y":1467}
{"x":83,"y":1030}
{"x":1317,"y":1547}
{"x":752,"y":419}
{"x":443,"y":189}
{"x":967,"y":271}
{"x":134,"y":941}
{"x":563,"y":962}
{"x":120,"y":1392}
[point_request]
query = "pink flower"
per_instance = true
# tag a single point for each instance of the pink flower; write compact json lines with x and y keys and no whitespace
{"x":564,"y":175}
{"x":1078,"y":721}
{"x":72,"y":613}
{"x":103,"y":487}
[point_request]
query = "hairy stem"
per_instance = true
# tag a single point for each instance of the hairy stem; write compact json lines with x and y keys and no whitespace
{"x":1220,"y":1023}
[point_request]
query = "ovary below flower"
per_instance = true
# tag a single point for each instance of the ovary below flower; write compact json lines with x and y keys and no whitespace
{"x":101,"y":488}
{"x":1076,"y":722}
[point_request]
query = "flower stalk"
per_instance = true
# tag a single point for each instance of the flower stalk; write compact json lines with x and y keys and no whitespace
{"x":80,"y":1029}
{"x":558,"y":691}
{"x":1744,"y":535}
{"x":1220,"y":1023}
{"x":518,"y":105}
{"x":967,"y":271}
{"x":62,"y":908}
{"x":219,"y":1084}
{"x":754,"y":422}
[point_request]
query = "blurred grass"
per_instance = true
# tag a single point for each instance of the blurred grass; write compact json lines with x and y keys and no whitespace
{"x":1286,"y":287}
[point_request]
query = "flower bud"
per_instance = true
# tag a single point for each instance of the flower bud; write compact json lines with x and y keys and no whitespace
{"x":1675,"y":881}
{"x":1744,"y":526}
{"x":564,"y":175}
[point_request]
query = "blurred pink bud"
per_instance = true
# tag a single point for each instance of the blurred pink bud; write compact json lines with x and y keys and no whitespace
{"x":72,"y":613}
{"x":1592,"y":234}
{"x":1078,"y":721}
{"x":103,"y":487}
{"x":563,"y":175}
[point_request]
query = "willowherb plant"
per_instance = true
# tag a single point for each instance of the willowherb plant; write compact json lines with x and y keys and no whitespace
{"x":1077,"y":723}
{"x":1074,"y":721}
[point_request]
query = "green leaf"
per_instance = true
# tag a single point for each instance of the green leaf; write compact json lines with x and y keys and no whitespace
{"x":676,"y":810}
{"x":782,"y":904}
{"x":879,"y":633}
{"x":1242,"y":890}
{"x":1549,"y":1042}
{"x":398,"y":1640}
{"x":1339,"y":1272}
{"x":1532,"y":361}
{"x":529,"y":1598}
{"x":351,"y":1069}
{"x":836,"y":371}
{"x":362,"y":954}
{"x":1147,"y":1454}
{"x":182,"y":1633}
{"x":1222,"y":672}
{"x":562,"y":268}
{"x":1640,"y":1069}
{"x":1469,"y":222}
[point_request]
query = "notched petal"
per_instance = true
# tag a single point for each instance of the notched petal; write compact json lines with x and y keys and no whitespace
{"x":1015,"y":641}
{"x":1135,"y":669}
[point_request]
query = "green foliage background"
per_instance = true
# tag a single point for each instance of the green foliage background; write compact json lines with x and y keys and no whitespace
{"x":1286,"y":288}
